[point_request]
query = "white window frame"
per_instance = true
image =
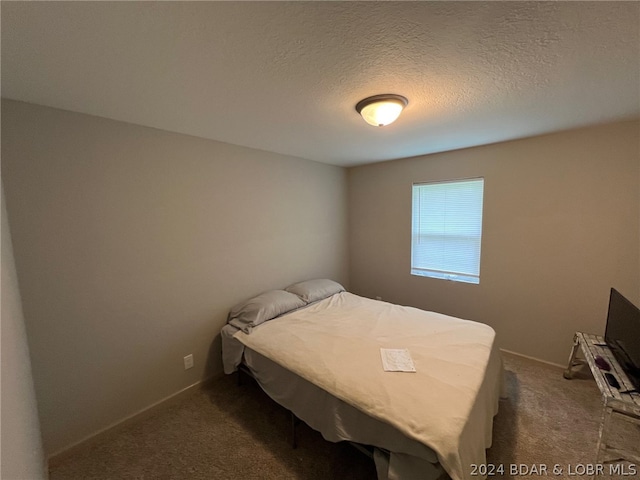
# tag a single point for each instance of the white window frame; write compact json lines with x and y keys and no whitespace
{"x":451,"y":262}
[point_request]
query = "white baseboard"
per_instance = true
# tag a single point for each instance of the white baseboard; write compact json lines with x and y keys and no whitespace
{"x":533,"y":358}
{"x":129,"y":420}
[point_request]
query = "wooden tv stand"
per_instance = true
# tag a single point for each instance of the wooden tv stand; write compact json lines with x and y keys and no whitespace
{"x":623,"y":402}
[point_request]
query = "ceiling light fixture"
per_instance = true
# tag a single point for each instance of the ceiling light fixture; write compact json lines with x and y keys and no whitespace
{"x":381,"y":110}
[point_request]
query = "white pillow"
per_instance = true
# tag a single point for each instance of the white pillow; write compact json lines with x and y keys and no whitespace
{"x":314,"y":290}
{"x":268,"y":305}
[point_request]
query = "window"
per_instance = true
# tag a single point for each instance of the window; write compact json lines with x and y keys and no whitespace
{"x":447,"y":230}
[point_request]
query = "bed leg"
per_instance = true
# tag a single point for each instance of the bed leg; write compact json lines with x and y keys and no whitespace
{"x":242,"y":370}
{"x":294,"y":424}
{"x":239,"y":377}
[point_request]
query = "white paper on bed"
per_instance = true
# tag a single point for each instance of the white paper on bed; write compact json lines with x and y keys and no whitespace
{"x":448,"y":404}
{"x":396,"y":360}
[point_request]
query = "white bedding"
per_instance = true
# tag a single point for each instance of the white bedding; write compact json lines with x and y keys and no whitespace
{"x":448,"y":404}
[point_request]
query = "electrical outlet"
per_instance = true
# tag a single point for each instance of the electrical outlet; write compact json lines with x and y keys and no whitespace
{"x":188,"y":361}
{"x":378,"y":298}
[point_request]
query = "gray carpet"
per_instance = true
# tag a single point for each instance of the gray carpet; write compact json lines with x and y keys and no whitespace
{"x":231,"y":432}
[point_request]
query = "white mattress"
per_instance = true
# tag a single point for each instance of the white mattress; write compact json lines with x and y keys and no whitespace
{"x":447,"y":405}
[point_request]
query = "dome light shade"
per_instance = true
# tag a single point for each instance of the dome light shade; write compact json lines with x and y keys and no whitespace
{"x":381,"y":110}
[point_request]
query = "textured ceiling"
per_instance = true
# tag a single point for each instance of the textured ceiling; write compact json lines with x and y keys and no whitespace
{"x":285,"y":76}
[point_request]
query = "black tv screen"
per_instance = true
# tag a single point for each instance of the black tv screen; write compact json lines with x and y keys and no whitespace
{"x":622,"y":335}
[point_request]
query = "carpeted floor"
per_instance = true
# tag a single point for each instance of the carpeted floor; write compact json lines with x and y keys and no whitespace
{"x":231,"y":432}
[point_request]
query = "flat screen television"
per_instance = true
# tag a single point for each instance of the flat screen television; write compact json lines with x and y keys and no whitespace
{"x":622,"y":335}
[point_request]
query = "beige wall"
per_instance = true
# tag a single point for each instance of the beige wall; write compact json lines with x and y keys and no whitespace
{"x":132,"y":244}
{"x":560,"y":228}
{"x":21,"y":446}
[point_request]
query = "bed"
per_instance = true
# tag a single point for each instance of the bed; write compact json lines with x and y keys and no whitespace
{"x":316,"y":349}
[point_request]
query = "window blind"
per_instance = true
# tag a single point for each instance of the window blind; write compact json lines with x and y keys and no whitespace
{"x":447,"y":229}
